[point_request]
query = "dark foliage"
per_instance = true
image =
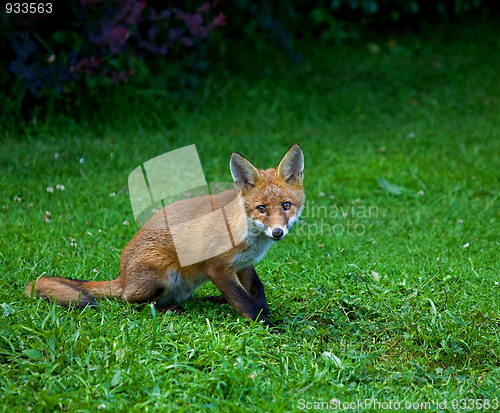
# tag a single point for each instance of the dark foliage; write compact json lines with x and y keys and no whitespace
{"x":84,"y":45}
{"x":94,"y":42}
{"x":341,"y":20}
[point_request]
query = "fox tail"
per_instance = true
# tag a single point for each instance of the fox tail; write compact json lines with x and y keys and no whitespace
{"x":78,"y":293}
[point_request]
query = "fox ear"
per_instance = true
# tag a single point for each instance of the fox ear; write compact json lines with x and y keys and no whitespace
{"x":245,"y":175}
{"x":291,"y":167}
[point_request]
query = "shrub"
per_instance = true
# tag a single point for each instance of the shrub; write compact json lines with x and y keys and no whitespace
{"x":94,"y":43}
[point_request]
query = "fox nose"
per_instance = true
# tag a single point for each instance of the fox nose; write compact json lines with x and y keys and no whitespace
{"x":277,"y":232}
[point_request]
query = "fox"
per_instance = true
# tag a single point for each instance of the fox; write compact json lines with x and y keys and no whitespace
{"x":258,"y":212}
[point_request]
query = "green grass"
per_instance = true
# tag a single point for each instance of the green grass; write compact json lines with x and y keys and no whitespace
{"x":405,"y":310}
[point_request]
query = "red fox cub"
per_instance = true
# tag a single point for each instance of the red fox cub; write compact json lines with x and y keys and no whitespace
{"x":270,"y":202}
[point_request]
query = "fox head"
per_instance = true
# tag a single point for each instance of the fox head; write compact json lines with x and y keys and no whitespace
{"x":273,"y":198}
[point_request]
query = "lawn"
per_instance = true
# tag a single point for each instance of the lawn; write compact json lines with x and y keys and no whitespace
{"x":388,"y":288}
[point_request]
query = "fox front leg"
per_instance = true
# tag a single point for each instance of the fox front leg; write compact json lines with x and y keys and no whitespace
{"x":246,"y":305}
{"x":252,"y":283}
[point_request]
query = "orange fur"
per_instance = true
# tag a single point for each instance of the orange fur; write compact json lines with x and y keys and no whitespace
{"x":150,"y":267}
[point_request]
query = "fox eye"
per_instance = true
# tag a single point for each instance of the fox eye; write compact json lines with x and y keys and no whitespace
{"x":286,"y":205}
{"x":261,"y":209}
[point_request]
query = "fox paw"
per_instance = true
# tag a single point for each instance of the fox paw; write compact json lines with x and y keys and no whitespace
{"x":216,"y":299}
{"x":176,"y":308}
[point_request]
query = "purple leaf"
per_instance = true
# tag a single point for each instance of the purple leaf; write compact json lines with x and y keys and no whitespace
{"x":155,"y":49}
{"x":134,"y":11}
{"x":219,"y":20}
{"x":165,"y":14}
{"x":175,"y":33}
{"x":115,"y":37}
{"x":204,"y":8}
{"x":153,"y":31}
{"x":186,"y":41}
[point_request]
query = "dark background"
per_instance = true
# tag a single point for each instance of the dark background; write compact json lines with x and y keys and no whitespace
{"x":61,"y":63}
